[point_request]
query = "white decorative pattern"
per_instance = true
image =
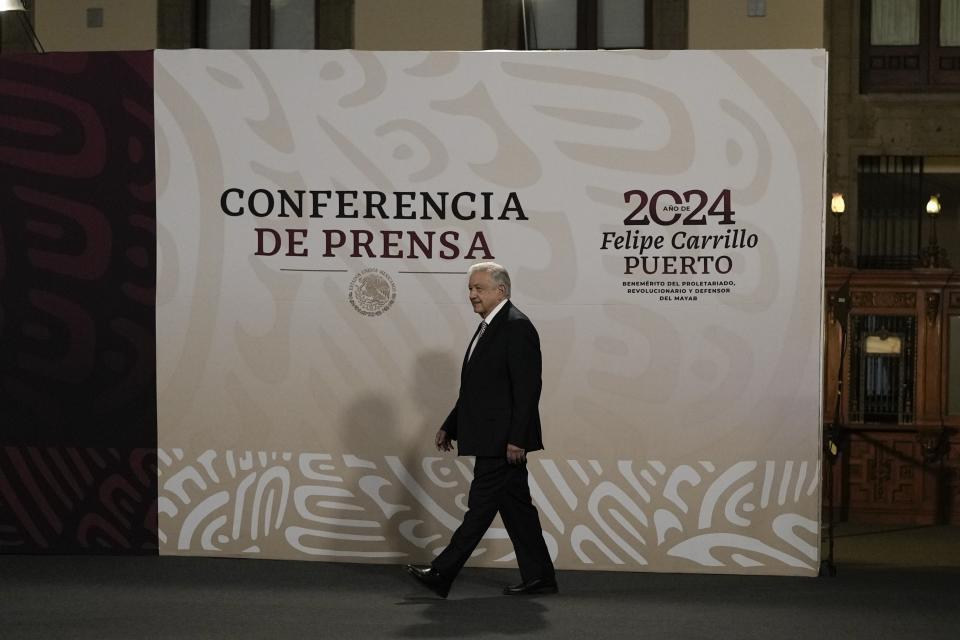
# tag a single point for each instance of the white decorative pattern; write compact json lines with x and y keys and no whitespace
{"x":625,"y":516}
{"x":681,"y":433}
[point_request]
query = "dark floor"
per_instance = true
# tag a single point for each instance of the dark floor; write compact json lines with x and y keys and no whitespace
{"x":891,"y":584}
{"x":898,"y":546}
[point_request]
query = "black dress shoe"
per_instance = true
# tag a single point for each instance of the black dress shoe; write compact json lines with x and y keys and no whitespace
{"x":532,"y":587}
{"x":430,"y":578}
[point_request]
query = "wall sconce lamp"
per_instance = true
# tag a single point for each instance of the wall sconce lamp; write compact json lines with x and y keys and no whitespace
{"x":837,"y":254}
{"x":17,"y":5}
{"x":837,"y":205}
{"x":933,"y":255}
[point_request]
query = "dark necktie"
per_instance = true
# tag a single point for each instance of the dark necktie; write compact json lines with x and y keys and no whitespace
{"x":476,"y":341}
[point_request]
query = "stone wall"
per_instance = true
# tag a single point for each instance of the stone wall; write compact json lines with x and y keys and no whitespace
{"x":922,"y":124}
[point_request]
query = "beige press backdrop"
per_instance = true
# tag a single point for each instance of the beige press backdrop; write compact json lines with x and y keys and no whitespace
{"x":661,"y":214}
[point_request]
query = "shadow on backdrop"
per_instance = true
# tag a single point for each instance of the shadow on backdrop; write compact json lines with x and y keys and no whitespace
{"x":371,"y":424}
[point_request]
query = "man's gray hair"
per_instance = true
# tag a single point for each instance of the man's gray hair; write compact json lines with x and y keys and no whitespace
{"x":498,"y":274}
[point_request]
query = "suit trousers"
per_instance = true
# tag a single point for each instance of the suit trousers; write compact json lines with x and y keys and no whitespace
{"x":499,"y":486}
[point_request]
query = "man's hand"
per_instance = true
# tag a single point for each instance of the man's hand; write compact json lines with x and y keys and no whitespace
{"x":515,"y":455}
{"x":443,"y":441}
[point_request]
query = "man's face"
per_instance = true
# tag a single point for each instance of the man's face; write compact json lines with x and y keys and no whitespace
{"x":484,"y":293}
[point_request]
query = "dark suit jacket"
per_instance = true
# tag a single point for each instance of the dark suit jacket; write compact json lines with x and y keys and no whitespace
{"x":499,"y":389}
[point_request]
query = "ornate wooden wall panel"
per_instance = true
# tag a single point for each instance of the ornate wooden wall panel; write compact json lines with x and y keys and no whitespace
{"x":907,"y":473}
{"x":888,"y":480}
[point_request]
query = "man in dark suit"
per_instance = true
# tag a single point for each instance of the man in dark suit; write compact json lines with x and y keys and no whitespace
{"x":496,"y":419}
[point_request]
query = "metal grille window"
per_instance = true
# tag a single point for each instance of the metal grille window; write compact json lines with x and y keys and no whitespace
{"x":882,"y":368}
{"x":891,"y":205}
